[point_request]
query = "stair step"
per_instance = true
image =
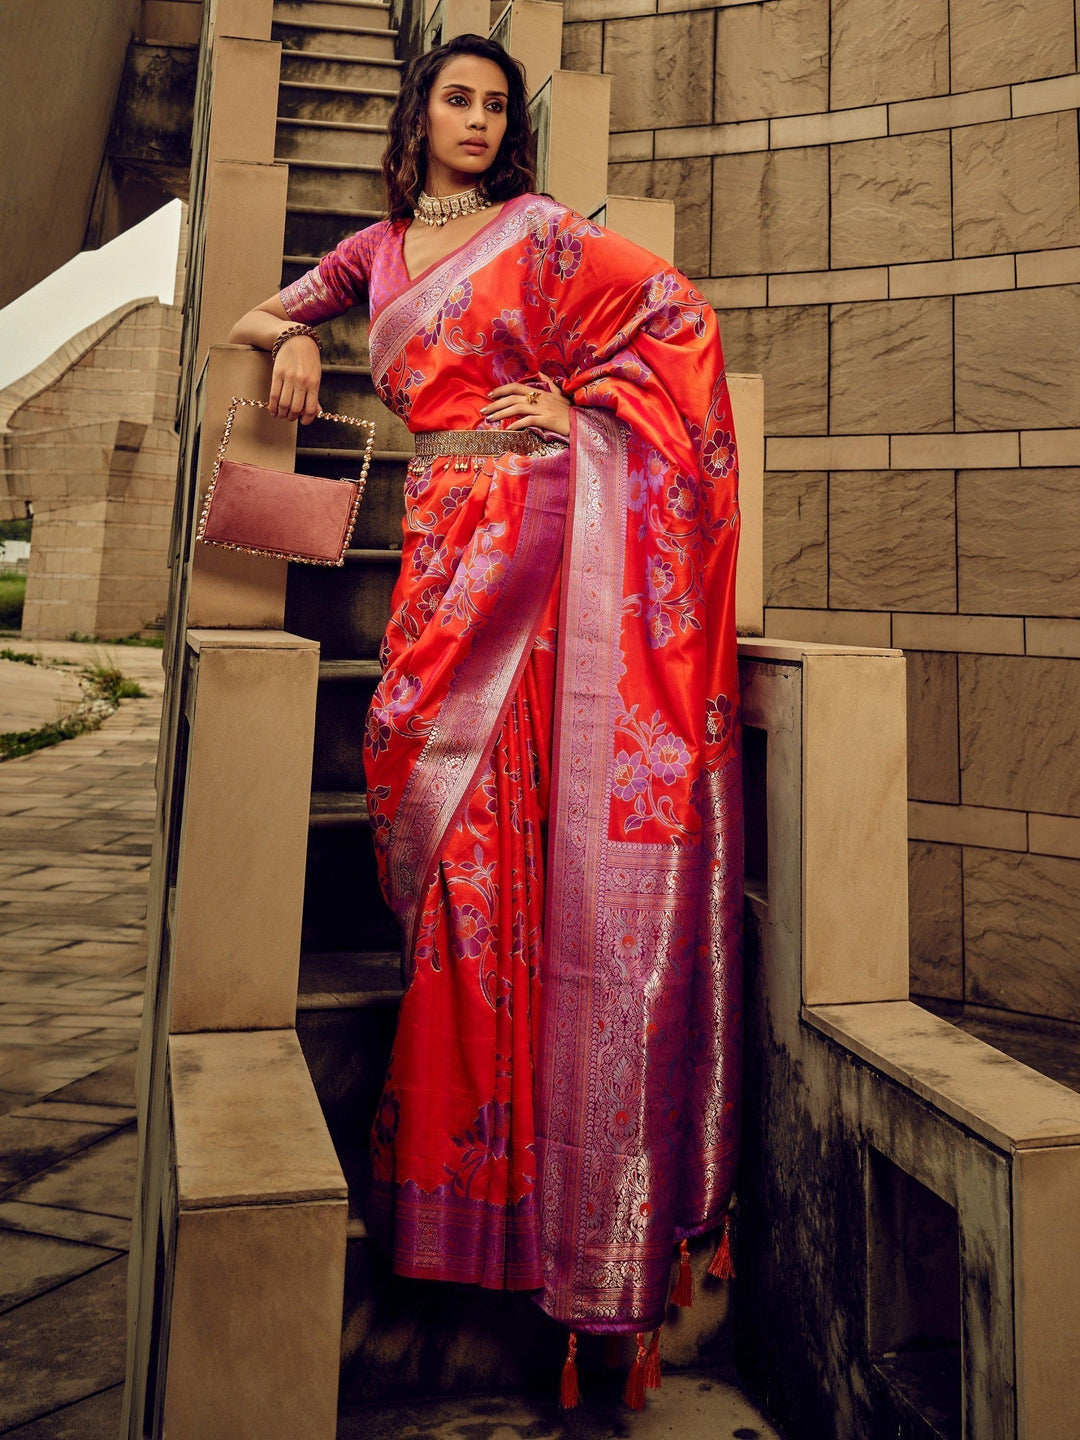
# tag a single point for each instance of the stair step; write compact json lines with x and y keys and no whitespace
{"x":336,"y":369}
{"x":356,"y":188}
{"x":354,"y":43}
{"x":332,"y":10}
{"x":345,"y":166}
{"x":338,"y":809}
{"x":337,"y":211}
{"x":333,"y":29}
{"x":357,"y":126}
{"x":379,"y":92}
{"x":349,"y":669}
{"x":373,"y":557}
{"x":336,"y":453}
{"x":316,"y":67}
{"x":348,"y":979}
{"x":382,"y":62}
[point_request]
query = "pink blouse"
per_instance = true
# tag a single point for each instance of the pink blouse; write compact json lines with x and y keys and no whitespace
{"x":369,"y":264}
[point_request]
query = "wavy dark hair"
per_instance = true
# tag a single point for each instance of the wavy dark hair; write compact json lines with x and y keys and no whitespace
{"x":512,"y":172}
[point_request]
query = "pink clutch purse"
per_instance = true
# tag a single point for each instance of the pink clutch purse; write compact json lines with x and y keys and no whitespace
{"x":276,"y":512}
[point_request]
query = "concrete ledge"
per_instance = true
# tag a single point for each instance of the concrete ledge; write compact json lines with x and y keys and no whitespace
{"x":236,"y":947}
{"x":1010,"y":1105}
{"x":259,"y":1250}
{"x":248,"y":1127}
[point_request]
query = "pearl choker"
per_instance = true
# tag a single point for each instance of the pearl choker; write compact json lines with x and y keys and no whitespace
{"x":438,"y":209}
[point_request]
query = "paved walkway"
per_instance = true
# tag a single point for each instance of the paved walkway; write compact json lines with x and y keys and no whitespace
{"x":76,"y":825}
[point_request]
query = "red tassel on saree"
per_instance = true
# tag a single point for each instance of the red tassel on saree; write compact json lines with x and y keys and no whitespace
{"x":553,"y":767}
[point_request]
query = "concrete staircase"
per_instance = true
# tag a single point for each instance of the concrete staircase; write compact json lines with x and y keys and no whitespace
{"x":338,"y":81}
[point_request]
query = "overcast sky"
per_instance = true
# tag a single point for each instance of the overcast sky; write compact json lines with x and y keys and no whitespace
{"x":139,"y":263}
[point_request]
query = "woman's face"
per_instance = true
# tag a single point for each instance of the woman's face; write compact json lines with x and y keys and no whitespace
{"x":466,"y":121}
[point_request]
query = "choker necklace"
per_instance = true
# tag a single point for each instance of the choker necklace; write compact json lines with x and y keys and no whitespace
{"x":438,"y":209}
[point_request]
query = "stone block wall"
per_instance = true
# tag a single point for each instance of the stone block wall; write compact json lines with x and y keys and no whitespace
{"x":884,"y":204}
{"x":90,"y":445}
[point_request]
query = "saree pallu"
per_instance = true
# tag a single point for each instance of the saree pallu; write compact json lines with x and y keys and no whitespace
{"x":552,"y":758}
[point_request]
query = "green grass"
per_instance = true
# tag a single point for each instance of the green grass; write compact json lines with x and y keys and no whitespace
{"x":21,"y":655}
{"x":105,"y":682}
{"x":21,"y":742}
{"x":112,"y":684}
{"x":12,"y":595}
{"x":153,"y":642}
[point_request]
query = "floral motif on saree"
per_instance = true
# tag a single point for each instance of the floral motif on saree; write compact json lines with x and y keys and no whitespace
{"x":552,"y":757}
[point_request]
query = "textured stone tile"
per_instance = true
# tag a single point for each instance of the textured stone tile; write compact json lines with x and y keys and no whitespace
{"x":1017,"y":360}
{"x":686,"y":182}
{"x":1022,"y":932}
{"x":1017,"y":546}
{"x":100,"y":1179}
{"x":772,"y":59}
{"x":109,"y":1231}
{"x":32,"y":1264}
{"x":890,"y":200}
{"x":1020,"y":732}
{"x":770,"y":212}
{"x":945,"y":111}
{"x":113,"y":1084}
{"x":1015,"y":185}
{"x":96,"y":1418}
{"x":997,"y":42}
{"x":1044,"y":448}
{"x":827,"y":287}
{"x":828,"y":452}
{"x":737,"y":293}
{"x":1054,"y":835}
{"x":967,"y":825}
{"x":788,"y":345}
{"x":29,"y":1145}
{"x":829,"y":627}
{"x":936,"y":920}
{"x":933,"y":742}
{"x":951,"y":277}
{"x":111,"y":1116}
{"x":892,"y":540}
{"x":964,"y":451}
{"x":1052,"y":637}
{"x":583,"y":46}
{"x":892,"y":366}
{"x":796,"y":536}
{"x":661,"y":66}
{"x":882,"y":52}
{"x":63,"y":1346}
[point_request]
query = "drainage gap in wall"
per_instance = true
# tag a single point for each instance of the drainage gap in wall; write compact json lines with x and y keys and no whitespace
{"x":913,"y":1295}
{"x":755,"y":792}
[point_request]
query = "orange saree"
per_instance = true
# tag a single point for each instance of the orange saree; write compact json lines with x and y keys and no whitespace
{"x":552,"y":758}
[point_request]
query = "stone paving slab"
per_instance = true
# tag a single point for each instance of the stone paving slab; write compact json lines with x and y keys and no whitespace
{"x":688,"y":1406}
{"x":64,"y":1345}
{"x":33,"y":695}
{"x":76,"y":838}
{"x":97,"y":1418}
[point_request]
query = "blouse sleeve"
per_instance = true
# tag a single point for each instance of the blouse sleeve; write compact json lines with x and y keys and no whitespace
{"x":338,"y":282}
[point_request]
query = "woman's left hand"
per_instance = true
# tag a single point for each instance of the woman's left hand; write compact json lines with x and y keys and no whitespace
{"x":544,"y":409}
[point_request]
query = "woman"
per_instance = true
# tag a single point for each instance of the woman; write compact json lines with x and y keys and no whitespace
{"x":552,"y":753}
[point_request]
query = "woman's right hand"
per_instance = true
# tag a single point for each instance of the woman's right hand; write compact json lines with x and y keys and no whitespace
{"x":294,"y":385}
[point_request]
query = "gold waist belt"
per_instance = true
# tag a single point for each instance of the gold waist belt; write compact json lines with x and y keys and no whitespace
{"x":429,"y":443}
